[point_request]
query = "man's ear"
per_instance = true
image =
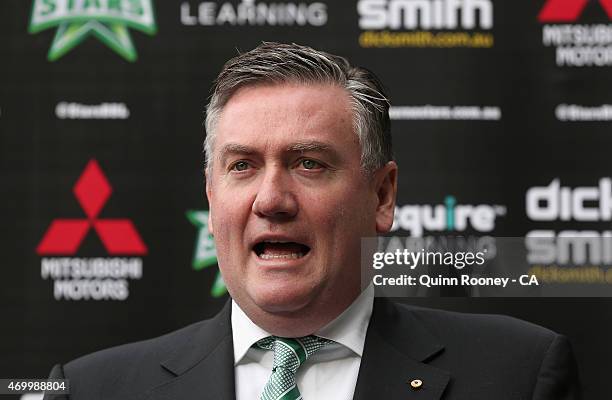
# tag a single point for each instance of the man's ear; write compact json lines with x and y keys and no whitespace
{"x":209,"y":198}
{"x":386,"y":192}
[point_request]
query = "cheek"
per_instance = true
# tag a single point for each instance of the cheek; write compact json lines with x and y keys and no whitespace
{"x":229,"y":220}
{"x":348,"y":204}
{"x":230,"y":206}
{"x":341,"y":214}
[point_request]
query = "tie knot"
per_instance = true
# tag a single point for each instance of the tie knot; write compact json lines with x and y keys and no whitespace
{"x":290,"y":353}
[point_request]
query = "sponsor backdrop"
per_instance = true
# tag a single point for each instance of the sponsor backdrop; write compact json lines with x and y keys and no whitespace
{"x":501,"y":124}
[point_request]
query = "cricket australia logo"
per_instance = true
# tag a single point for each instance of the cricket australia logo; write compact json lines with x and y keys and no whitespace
{"x":107,"y":20}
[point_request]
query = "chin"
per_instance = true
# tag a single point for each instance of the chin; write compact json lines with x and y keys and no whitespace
{"x":282,"y":298}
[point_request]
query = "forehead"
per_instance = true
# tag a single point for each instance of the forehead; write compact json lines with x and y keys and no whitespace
{"x":271,"y":115}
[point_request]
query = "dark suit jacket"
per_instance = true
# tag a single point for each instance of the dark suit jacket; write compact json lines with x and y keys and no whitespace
{"x":456,"y":356}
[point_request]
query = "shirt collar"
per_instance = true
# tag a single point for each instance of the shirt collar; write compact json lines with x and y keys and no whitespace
{"x":244,"y":332}
{"x":349,"y":328}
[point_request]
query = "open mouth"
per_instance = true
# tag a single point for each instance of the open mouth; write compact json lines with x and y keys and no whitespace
{"x":280,"y":250}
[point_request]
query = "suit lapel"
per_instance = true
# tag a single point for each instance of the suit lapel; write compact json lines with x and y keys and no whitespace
{"x":396,"y":349}
{"x":203,"y":366}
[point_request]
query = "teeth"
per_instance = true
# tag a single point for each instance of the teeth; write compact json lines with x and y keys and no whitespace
{"x":281,"y":256}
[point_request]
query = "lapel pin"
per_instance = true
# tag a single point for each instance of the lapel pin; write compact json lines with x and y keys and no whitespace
{"x":416,"y":384}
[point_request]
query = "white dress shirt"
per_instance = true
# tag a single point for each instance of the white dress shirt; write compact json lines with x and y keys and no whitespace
{"x":329,"y":374}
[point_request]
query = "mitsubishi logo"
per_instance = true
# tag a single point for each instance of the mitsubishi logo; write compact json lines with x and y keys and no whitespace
{"x":92,"y":190}
{"x":568,"y":10}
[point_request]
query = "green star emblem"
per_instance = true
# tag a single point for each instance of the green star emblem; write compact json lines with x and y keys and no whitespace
{"x":107,"y":20}
{"x":205,"y":254}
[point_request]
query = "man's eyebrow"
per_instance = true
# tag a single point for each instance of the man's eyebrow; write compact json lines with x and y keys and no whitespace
{"x":234,"y":148}
{"x":311,"y":145}
{"x":297,"y":147}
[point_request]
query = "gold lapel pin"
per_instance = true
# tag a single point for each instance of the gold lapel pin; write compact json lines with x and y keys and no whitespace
{"x":416,"y":384}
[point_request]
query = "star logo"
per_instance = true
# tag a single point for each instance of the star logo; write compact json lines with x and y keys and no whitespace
{"x":107,"y":20}
{"x":205,"y":254}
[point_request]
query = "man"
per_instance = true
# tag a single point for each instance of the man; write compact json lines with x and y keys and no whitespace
{"x":299,"y":168}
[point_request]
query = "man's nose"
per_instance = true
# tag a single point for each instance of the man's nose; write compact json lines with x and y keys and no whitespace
{"x":275,"y":197}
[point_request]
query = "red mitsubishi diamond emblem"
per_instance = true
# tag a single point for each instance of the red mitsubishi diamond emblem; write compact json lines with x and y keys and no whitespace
{"x":92,"y":190}
{"x":568,"y":10}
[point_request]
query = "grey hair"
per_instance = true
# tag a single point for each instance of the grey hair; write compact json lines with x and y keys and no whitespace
{"x":274,"y":63}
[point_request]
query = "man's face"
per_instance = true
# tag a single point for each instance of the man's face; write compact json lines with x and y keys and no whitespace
{"x":289,"y":201}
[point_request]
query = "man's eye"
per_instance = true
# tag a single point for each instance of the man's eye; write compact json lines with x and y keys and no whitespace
{"x":240,"y":166}
{"x":310,"y":164}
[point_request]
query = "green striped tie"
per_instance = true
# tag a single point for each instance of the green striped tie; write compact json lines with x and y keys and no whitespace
{"x":289,"y":354}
